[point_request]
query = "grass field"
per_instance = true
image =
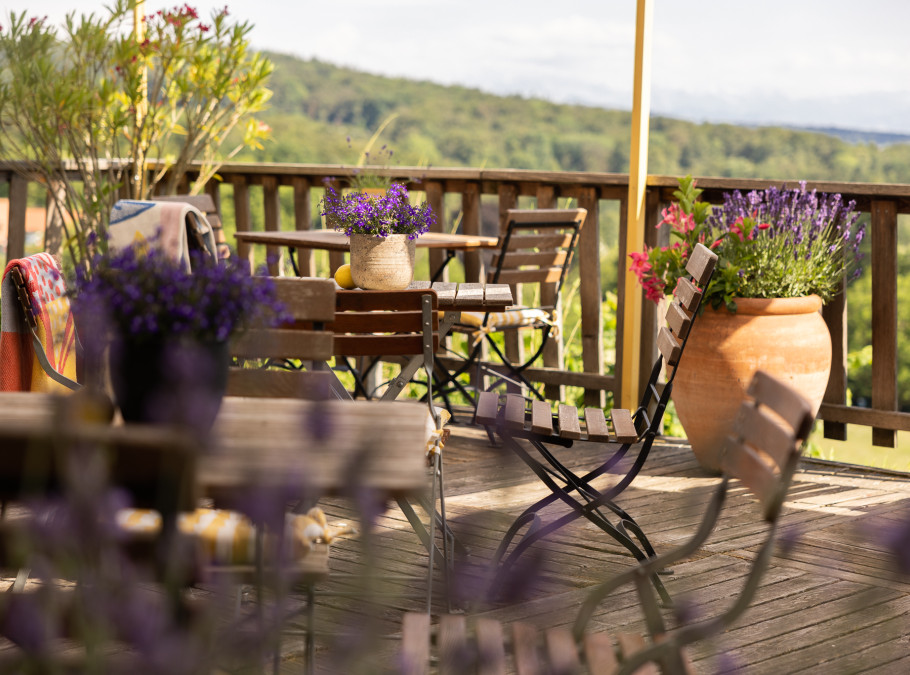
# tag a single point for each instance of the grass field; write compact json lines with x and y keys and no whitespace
{"x":858,"y":449}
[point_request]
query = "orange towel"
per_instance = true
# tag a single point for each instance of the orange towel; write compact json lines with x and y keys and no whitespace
{"x":19,"y":367}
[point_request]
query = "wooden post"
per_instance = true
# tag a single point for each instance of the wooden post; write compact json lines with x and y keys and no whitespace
{"x":306,"y":262}
{"x":592,"y":334}
{"x":638,"y":178}
{"x":272,"y":209}
{"x":242,"y":217}
{"x":470,"y":224}
{"x":884,"y":314}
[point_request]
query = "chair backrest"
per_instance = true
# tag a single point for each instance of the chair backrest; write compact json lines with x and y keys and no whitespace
{"x":673,"y":336}
{"x":537,"y":247}
{"x":310,"y":303}
{"x":388,"y":323}
{"x":764,"y":447}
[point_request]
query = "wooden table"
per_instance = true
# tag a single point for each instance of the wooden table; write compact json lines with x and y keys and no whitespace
{"x":326,"y":446}
{"x":338,"y":242}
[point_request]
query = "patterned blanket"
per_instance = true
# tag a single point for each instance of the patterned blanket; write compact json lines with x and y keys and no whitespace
{"x":182,"y":227}
{"x":19,"y":367}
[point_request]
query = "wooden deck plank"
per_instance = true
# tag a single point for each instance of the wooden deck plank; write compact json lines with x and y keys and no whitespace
{"x":829,"y":599}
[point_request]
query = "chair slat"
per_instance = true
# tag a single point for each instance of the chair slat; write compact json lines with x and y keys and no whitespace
{"x":701,"y":264}
{"x":273,"y":383}
{"x":569,"y":426}
{"x":596,"y":425}
{"x":623,"y":425}
{"x":415,"y":643}
{"x":546,"y":215}
{"x":524,"y":649}
{"x":600,"y":655}
{"x":307,"y":299}
{"x":669,"y":346}
{"x":496,"y":293}
{"x":678,"y":321}
{"x":687,"y":294}
{"x":387,"y":345}
{"x":541,"y":418}
{"x":514,"y":260}
{"x":398,"y":321}
{"x":445,"y":291}
{"x":784,"y":401}
{"x":562,"y":655}
{"x":469,"y":294}
{"x":550,"y":240}
{"x":757,"y":428}
{"x":452,"y":644}
{"x":548,"y":275}
{"x":740,"y":461}
{"x":280,"y":343}
{"x":487,"y":408}
{"x":514,"y":416}
{"x":369,"y":301}
{"x":491,"y":655}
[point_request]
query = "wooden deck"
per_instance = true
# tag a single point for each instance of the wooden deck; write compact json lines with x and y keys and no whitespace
{"x":829,"y":604}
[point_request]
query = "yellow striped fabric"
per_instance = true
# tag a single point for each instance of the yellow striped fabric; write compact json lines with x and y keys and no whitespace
{"x":508,"y":319}
{"x":229,"y":538}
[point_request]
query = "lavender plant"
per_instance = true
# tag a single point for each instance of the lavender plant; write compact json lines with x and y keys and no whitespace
{"x":771,"y":243}
{"x":360,"y":213}
{"x":143,"y":294}
{"x":778,"y":243}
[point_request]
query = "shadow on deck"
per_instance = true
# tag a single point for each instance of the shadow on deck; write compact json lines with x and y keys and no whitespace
{"x":830,"y":602}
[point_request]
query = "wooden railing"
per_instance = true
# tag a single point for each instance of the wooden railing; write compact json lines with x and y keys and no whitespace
{"x":480,"y":198}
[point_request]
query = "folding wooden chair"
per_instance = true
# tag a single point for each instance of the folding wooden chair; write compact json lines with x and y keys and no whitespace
{"x":206,"y":205}
{"x":374,"y":324}
{"x":761,"y":453}
{"x":517,"y":420}
{"x":535,"y":253}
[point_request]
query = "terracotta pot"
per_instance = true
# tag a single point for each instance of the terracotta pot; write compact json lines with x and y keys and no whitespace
{"x":382,"y":263}
{"x":785,"y":337}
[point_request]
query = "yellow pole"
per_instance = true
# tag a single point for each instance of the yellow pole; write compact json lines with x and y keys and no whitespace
{"x":638,"y":178}
{"x":137,"y":186}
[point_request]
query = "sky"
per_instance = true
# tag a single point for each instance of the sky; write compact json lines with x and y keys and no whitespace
{"x":815,"y":63}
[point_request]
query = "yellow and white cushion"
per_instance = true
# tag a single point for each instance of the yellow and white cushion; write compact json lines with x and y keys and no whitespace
{"x":511,"y":318}
{"x":229,"y":538}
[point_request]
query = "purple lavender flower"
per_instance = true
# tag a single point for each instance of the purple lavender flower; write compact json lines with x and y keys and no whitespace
{"x":140,"y":292}
{"x":392,"y":213}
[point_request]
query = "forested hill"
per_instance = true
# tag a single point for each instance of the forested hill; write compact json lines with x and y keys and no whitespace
{"x":316,"y":107}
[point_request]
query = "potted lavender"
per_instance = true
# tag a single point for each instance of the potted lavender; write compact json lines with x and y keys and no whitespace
{"x":782,"y":253}
{"x":382,"y":231}
{"x":167,"y":329}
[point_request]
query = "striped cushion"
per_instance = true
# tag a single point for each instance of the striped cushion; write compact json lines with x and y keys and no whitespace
{"x":229,"y":538}
{"x":508,"y":319}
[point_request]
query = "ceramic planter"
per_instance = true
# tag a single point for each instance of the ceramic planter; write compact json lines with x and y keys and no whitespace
{"x":382,"y":263}
{"x":785,"y":337}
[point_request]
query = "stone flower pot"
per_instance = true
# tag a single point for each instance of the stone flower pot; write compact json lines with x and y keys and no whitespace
{"x":785,"y":337}
{"x":382,"y":263}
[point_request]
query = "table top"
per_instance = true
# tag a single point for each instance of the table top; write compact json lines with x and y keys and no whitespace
{"x":325,"y":446}
{"x":331,"y":240}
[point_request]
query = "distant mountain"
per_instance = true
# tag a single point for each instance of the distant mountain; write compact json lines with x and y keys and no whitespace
{"x":322,"y":113}
{"x":858,"y":136}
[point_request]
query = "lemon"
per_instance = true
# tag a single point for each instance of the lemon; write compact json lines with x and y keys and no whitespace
{"x":343,"y":277}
